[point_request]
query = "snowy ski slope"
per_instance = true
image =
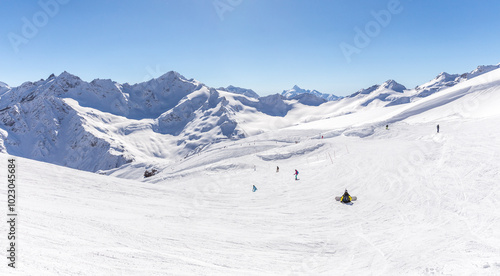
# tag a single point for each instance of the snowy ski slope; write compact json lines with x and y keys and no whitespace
{"x":428,"y":203}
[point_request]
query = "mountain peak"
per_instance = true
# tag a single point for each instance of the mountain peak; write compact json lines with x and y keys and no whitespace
{"x":67,"y":79}
{"x":393,"y":85}
{"x":65,"y":74}
{"x":171,"y":75}
{"x":442,"y":74}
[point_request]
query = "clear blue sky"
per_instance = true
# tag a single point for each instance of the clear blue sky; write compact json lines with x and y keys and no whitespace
{"x":265,"y":45}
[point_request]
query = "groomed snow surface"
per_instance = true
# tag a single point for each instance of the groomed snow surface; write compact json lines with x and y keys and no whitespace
{"x":427,"y":204}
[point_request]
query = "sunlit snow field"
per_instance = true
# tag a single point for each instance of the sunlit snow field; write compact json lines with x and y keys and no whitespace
{"x":428,"y":203}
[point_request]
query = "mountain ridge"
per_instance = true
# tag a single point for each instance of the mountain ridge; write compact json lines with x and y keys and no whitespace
{"x":296,"y":90}
{"x":102,"y":124}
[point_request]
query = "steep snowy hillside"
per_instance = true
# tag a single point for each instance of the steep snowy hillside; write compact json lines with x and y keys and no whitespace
{"x":39,"y":125}
{"x":296,"y":91}
{"x":346,"y":116}
{"x":427,"y":202}
{"x":386,"y":92}
{"x":442,"y":81}
{"x":47,"y":120}
{"x":41,"y":120}
{"x":144,"y":100}
{"x":102,"y":125}
{"x":482,"y":69}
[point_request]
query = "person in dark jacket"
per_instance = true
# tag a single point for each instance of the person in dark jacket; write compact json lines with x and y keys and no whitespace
{"x":346,"y":198}
{"x":437,"y":128}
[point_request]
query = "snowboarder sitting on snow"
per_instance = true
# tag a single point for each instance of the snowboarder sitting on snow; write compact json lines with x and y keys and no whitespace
{"x":346,"y":198}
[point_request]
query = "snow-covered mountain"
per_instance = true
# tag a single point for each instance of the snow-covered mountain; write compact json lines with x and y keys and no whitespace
{"x":392,"y":93}
{"x":103,"y":125}
{"x":295,"y":91}
{"x":385,"y":94}
{"x":309,"y":99}
{"x":67,"y":121}
{"x":243,"y":91}
{"x":427,"y":202}
{"x":37,"y":122}
{"x":389,"y":85}
{"x":481,"y":69}
{"x":444,"y":80}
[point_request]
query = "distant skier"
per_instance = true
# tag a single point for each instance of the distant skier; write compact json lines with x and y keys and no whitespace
{"x":277,"y":169}
{"x":387,"y":127}
{"x":437,"y":128}
{"x":296,"y":174}
{"x":346,"y":198}
{"x":254,"y":189}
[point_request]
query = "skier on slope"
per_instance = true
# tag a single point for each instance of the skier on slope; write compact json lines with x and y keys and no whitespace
{"x":296,"y":174}
{"x":346,"y":198}
{"x":437,"y":128}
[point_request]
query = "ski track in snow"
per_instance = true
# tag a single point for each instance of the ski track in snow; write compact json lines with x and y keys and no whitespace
{"x":427,"y":202}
